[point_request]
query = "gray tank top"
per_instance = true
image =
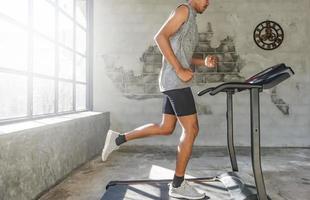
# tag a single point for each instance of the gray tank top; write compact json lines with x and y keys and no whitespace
{"x":183,"y":44}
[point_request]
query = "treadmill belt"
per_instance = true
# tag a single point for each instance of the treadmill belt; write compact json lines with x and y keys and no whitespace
{"x":158,"y":190}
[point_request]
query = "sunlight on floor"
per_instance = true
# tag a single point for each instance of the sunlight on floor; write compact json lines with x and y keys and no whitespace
{"x":158,"y":172}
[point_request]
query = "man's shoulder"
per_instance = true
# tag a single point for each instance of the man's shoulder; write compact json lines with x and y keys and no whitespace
{"x":183,"y":8}
{"x":182,"y":11}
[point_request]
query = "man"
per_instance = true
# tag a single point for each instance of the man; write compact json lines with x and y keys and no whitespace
{"x":176,"y":40}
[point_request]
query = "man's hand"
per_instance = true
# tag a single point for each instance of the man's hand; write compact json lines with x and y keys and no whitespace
{"x":211,"y":61}
{"x":185,"y":74}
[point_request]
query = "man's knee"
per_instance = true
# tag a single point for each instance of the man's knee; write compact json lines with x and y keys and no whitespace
{"x":167,"y":130}
{"x":195,"y":130}
{"x":192,"y":130}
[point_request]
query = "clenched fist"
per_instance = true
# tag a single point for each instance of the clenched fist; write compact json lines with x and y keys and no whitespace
{"x":185,"y":74}
{"x":211,"y":61}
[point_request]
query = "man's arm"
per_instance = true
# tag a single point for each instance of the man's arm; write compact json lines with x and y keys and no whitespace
{"x":210,"y":61}
{"x":198,"y":62}
{"x":170,"y":27}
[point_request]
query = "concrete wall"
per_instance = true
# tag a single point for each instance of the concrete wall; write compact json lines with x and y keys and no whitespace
{"x":126,"y":66}
{"x":35,"y":155}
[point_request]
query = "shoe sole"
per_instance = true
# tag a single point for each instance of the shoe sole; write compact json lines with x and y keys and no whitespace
{"x":105,"y":155}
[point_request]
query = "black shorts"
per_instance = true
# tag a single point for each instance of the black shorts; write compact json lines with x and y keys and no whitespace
{"x":179,"y":102}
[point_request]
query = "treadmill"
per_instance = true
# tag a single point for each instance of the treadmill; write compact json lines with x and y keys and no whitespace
{"x":228,"y":185}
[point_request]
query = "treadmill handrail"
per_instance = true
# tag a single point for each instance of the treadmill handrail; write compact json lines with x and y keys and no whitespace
{"x":234,"y":86}
{"x":231,"y":86}
{"x":205,"y":91}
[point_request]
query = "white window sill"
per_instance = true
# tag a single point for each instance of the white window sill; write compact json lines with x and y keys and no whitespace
{"x":21,"y":126}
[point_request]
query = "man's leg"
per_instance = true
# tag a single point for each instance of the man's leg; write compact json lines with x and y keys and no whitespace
{"x":166,"y":127}
{"x":180,"y":188}
{"x":190,"y":130}
{"x":114,"y":139}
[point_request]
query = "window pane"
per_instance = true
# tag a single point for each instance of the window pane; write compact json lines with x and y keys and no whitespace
{"x":67,"y":6}
{"x":17,"y":9}
{"x":43,"y":56}
{"x":13,"y":46}
{"x":81,"y":12}
{"x":44,"y":17}
{"x":80,"y":68}
{"x":80,"y":97}
{"x":65,"y":63}
{"x":80,"y":40}
{"x":65,"y":30}
{"x":43,"y":96}
{"x":65,"y":97}
{"x":13,"y":99}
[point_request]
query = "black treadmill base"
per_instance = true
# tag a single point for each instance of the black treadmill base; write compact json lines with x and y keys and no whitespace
{"x":227,"y":186}
{"x":146,"y":189}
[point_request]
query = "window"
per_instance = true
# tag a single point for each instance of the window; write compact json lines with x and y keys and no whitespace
{"x":44,"y":58}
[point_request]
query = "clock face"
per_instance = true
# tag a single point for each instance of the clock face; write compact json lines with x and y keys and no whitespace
{"x":268,"y":35}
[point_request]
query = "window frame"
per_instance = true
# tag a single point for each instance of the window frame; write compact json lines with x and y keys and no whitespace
{"x":30,"y":75}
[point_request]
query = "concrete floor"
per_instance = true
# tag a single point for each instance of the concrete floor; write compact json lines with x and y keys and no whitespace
{"x":286,"y":170}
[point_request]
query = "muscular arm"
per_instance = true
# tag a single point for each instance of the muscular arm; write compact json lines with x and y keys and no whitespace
{"x":198,"y":62}
{"x":170,"y":27}
{"x":210,"y":61}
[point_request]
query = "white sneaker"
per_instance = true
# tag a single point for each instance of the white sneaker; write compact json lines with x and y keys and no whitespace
{"x":185,"y":191}
{"x":109,"y":145}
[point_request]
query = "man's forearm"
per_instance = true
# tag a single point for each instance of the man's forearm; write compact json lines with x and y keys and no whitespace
{"x":164,"y":46}
{"x":198,"y":62}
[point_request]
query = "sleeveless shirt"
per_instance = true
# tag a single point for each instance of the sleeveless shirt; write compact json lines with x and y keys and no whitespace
{"x":183,"y":44}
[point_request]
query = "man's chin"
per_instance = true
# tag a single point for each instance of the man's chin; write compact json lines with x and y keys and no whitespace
{"x":201,"y":11}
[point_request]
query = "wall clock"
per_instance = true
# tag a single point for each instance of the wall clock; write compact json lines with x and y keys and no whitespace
{"x":268,"y":35}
